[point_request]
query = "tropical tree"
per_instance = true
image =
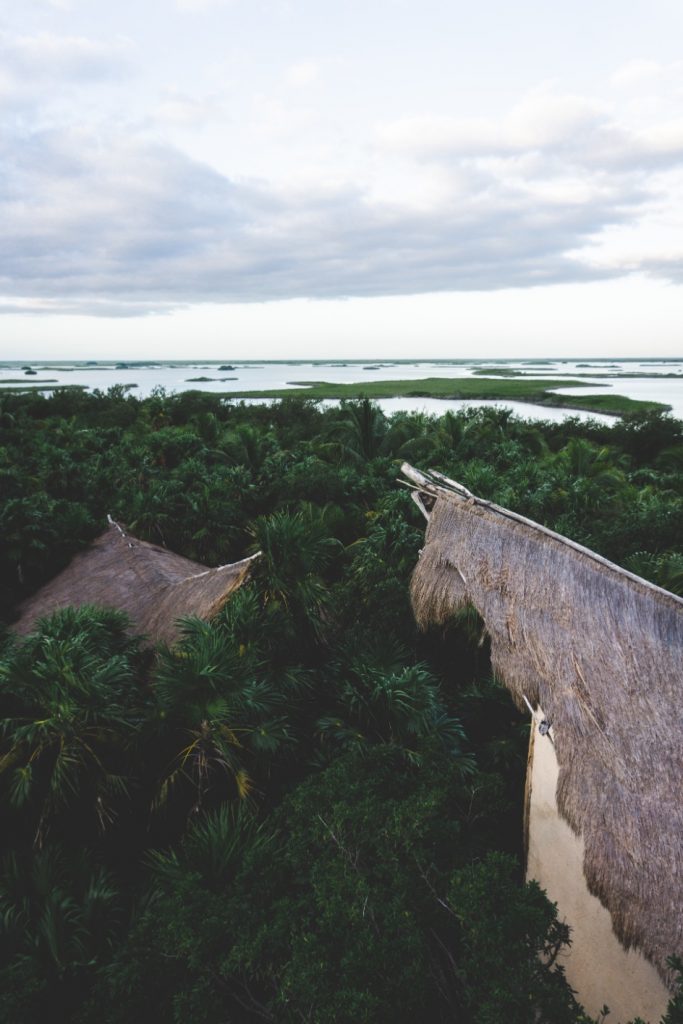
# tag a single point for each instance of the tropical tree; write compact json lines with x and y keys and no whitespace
{"x":72,"y":690}
{"x":295,"y":548}
{"x":60,"y":916}
{"x":361,"y":429}
{"x":212,"y":850}
{"x":665,"y":569}
{"x":217,"y":712}
{"x":379,"y":699}
{"x":593,"y":475}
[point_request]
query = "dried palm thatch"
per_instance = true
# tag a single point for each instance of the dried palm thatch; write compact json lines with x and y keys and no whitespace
{"x":601,"y":652}
{"x":152,"y":585}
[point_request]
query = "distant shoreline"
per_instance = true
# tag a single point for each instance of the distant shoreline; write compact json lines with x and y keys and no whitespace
{"x":136,"y":364}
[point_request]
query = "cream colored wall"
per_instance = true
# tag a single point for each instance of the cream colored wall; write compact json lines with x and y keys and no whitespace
{"x":597,"y":965}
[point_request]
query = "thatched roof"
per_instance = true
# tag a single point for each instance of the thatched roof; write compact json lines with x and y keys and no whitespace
{"x":601,"y":652}
{"x":153,"y":586}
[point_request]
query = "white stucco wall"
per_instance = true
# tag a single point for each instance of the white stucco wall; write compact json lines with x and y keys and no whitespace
{"x":597,"y":965}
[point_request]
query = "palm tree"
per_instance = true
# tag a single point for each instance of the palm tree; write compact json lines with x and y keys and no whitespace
{"x":592,"y":476}
{"x":411,"y":436}
{"x":212,"y":849}
{"x":27,"y":527}
{"x":362,"y":428}
{"x":59,"y":918}
{"x":248,"y":446}
{"x":75,"y":704}
{"x":665,"y":569}
{"x":7,"y":418}
{"x":296,"y":548}
{"x":381,"y":700}
{"x":217,"y":712}
{"x":151,"y":511}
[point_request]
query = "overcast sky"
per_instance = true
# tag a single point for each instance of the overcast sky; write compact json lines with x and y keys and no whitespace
{"x":274,"y":178}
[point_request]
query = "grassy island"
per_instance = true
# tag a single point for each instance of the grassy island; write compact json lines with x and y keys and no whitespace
{"x":536,"y":392}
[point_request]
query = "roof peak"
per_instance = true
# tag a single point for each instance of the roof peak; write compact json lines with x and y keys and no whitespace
{"x":435,"y":484}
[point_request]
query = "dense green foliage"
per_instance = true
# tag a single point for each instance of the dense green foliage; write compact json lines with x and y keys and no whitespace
{"x":303,"y":810}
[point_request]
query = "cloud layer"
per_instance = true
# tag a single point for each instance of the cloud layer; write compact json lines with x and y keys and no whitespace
{"x":104,"y":218}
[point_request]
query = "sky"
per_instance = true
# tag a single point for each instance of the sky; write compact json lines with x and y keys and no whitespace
{"x":302,"y":178}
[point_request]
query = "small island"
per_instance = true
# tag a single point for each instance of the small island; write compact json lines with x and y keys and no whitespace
{"x":206,"y":380}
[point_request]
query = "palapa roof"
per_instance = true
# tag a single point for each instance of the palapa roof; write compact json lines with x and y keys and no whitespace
{"x":155,"y":587}
{"x":601,"y":652}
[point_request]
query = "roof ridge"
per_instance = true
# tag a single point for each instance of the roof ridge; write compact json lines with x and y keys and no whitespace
{"x":435,"y":483}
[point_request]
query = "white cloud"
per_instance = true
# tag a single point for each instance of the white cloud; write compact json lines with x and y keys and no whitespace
{"x":275,"y":118}
{"x":101,"y":219}
{"x":57,"y":5}
{"x":118,"y":220}
{"x":302,"y":74}
{"x":540,"y":121}
{"x":46,"y":55}
{"x":665,"y":138}
{"x":636,"y":73}
{"x":181,"y":109}
{"x":255,"y":151}
{"x":545,"y":127}
{"x":437,"y":135}
{"x":547,"y":119}
{"x":191,"y":6}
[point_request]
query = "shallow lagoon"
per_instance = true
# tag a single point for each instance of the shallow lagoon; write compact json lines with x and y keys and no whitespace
{"x":174,"y":376}
{"x":438,"y":406}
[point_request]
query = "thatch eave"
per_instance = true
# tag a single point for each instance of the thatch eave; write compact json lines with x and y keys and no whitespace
{"x":153,"y":586}
{"x":601,"y":651}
